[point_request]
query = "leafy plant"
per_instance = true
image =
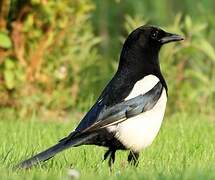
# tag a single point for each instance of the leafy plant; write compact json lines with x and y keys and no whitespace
{"x":5,"y":41}
{"x":52,"y":62}
{"x":45,"y":45}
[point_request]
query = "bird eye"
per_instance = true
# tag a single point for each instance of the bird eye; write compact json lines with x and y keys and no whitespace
{"x":154,"y":35}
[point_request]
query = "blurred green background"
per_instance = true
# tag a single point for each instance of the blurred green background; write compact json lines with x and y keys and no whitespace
{"x":56,"y":56}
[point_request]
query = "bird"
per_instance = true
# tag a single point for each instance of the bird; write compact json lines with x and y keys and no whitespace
{"x":129,"y":112}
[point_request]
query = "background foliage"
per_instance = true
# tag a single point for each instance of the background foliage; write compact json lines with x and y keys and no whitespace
{"x":56,"y":56}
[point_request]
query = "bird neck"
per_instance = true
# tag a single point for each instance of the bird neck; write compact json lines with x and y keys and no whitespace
{"x":137,"y":63}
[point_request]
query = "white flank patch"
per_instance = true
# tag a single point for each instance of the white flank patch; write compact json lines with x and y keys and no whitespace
{"x":138,"y":132}
{"x":142,"y":86}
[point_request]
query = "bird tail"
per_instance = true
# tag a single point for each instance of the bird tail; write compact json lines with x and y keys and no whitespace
{"x":52,"y":151}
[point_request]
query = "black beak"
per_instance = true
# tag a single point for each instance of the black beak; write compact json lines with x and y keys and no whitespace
{"x":170,"y":38}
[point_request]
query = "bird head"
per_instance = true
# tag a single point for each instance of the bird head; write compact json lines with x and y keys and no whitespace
{"x":151,"y":37}
{"x":144,"y":43}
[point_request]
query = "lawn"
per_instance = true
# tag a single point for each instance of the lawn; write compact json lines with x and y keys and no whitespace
{"x":184,"y":149}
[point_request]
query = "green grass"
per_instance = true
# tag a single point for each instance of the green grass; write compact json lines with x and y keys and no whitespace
{"x":184,"y":149}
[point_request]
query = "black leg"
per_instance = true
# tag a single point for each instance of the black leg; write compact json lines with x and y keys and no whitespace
{"x":107,"y":154}
{"x":112,"y":158}
{"x":133,"y":158}
{"x":111,"y":153}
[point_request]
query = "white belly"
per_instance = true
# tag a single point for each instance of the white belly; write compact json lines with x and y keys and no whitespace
{"x":138,"y":132}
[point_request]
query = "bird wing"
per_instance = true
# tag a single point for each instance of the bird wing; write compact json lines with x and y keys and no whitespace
{"x":127,"y":109}
{"x":107,"y":116}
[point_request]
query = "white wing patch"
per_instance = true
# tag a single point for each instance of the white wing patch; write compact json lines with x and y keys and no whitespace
{"x":142,"y":86}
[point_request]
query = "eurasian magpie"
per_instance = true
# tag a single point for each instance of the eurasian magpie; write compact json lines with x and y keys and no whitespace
{"x":129,"y":112}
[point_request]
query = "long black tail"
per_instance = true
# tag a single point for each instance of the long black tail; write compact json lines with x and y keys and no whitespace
{"x":52,"y":151}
